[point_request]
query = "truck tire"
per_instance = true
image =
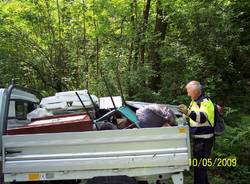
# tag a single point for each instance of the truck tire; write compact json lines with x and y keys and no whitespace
{"x":112,"y":180}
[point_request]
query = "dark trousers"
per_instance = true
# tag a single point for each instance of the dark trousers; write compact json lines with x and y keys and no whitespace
{"x":201,"y":151}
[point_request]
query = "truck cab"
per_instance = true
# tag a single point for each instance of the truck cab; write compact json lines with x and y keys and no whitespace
{"x":15,"y":103}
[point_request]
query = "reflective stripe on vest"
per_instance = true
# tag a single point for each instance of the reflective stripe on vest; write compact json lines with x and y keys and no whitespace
{"x":205,"y":136}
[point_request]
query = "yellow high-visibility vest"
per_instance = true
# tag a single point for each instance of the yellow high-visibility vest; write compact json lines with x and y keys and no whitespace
{"x":202,"y":130}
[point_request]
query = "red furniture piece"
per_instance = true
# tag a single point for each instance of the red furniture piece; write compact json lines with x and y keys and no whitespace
{"x":54,"y":124}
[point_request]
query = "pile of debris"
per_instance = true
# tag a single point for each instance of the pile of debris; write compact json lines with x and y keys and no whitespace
{"x":75,"y":111}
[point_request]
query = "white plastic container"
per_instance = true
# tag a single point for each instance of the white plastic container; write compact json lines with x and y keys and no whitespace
{"x":68,"y":101}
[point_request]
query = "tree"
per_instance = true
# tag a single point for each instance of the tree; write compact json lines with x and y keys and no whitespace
{"x":160,"y":32}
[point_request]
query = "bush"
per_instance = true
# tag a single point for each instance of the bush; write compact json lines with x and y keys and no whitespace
{"x":234,"y":144}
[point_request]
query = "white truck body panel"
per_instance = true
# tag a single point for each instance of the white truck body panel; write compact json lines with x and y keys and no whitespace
{"x":83,"y":155}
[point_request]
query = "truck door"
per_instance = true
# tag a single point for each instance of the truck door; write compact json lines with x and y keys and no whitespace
{"x":15,"y":103}
{"x":3,"y":93}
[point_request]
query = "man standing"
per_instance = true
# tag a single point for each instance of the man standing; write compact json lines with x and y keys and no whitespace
{"x":200,"y":111}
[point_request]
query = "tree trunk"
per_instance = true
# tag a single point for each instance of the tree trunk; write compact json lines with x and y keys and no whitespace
{"x":85,"y":54}
{"x":160,"y":31}
{"x":130,"y":90}
{"x":137,"y":39}
{"x":144,"y":28}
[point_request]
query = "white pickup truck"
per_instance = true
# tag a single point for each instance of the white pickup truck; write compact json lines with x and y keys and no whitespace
{"x":146,"y":155}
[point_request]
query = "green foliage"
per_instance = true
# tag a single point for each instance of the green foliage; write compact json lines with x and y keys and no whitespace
{"x":234,"y":144}
{"x":138,"y":81}
{"x":63,"y":45}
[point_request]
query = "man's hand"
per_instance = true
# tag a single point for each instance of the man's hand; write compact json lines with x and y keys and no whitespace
{"x":183,"y":108}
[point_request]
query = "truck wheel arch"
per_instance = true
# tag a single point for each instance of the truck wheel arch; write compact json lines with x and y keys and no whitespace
{"x":112,"y":180}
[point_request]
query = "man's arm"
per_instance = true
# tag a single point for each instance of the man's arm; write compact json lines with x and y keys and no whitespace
{"x":200,"y":117}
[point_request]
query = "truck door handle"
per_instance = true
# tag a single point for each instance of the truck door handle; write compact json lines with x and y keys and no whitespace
{"x":12,"y":152}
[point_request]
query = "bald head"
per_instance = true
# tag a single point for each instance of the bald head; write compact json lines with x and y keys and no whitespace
{"x":194,"y":89}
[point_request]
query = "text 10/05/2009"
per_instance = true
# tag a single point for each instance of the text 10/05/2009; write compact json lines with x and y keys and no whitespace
{"x":217,"y":162}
